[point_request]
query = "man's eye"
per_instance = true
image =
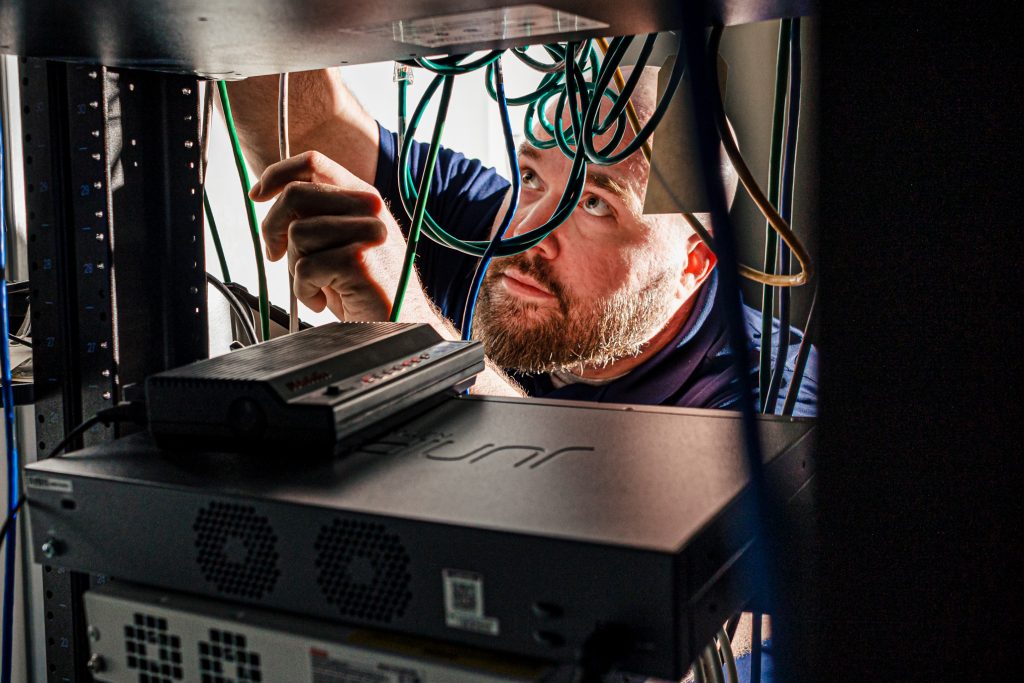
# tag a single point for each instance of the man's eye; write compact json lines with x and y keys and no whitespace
{"x":530,"y":180}
{"x":596,"y":206}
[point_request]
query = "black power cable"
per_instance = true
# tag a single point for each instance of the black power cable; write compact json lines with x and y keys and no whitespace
{"x":10,"y":518}
{"x":122,"y":412}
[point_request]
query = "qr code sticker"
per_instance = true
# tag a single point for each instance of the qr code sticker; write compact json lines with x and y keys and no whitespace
{"x":464,"y":603}
{"x":465,"y":596}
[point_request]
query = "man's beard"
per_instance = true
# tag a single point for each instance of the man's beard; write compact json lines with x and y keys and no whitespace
{"x":518,"y":335}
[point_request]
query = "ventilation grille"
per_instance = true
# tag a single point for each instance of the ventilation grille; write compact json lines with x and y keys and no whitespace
{"x":151,"y":650}
{"x":224,"y":658}
{"x":260,"y":361}
{"x":364,"y":570}
{"x":236,"y":550}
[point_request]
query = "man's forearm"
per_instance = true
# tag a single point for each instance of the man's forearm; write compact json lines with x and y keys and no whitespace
{"x":322,"y":115}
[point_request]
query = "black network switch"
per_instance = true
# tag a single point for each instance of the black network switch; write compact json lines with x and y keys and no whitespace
{"x":509,"y":524}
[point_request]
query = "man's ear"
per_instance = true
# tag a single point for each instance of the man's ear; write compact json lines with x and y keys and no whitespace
{"x":700,"y":261}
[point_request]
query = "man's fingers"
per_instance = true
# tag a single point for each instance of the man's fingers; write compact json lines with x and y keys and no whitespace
{"x":323,"y":233}
{"x":344,"y":271}
{"x":303,"y":200}
{"x":310,"y":167}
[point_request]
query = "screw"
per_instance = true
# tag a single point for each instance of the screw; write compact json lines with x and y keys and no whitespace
{"x":96,"y":664}
{"x":186,"y":91}
{"x":189,"y":144}
{"x":49,"y":547}
{"x":94,"y":634}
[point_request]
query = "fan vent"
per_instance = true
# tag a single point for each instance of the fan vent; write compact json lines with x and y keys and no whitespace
{"x":364,"y":570}
{"x":236,"y":550}
{"x":151,"y":651}
{"x":224,"y":657}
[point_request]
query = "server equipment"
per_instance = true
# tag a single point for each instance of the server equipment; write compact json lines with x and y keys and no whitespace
{"x":143,"y":634}
{"x":308,"y":391}
{"x":460,"y":525}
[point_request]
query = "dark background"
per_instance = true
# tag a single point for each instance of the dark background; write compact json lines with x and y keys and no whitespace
{"x":920,"y":253}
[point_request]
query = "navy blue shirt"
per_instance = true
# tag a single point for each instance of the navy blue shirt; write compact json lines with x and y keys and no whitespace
{"x":694,"y":370}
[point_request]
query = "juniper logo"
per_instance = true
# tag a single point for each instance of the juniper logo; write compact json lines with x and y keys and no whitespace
{"x":443,"y":447}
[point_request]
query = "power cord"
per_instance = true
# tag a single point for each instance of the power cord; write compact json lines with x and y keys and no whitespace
{"x":126,"y":411}
{"x":10,"y":518}
{"x":134,"y":411}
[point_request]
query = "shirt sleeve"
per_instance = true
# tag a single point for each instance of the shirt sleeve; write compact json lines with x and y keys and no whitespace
{"x":464,"y":199}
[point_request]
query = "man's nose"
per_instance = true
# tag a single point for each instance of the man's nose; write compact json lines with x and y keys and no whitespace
{"x":530,"y":217}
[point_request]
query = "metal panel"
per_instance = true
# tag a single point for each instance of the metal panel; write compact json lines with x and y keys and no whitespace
{"x":159,"y":262}
{"x":85,"y":316}
{"x":223,"y":39}
{"x":64,"y":182}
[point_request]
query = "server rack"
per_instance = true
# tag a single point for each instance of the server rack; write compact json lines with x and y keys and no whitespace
{"x":118,"y":287}
{"x":112,"y":160}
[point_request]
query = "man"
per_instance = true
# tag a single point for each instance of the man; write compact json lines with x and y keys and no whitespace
{"x":612,"y":306}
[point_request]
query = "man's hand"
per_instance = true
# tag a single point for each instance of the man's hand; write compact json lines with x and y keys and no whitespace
{"x":343,"y":246}
{"x":345,"y":249}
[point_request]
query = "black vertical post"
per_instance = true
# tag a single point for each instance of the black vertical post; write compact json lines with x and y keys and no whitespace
{"x":157,"y":200}
{"x":69,"y":273}
{"x":117,"y":267}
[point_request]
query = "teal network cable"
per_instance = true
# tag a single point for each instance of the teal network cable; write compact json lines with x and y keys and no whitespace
{"x":420,"y":210}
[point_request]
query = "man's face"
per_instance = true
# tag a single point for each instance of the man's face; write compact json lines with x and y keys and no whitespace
{"x":597,"y":288}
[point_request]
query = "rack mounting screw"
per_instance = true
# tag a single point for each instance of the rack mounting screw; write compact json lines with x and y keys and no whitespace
{"x":94,"y":634}
{"x":96,"y":664}
{"x":49,"y":547}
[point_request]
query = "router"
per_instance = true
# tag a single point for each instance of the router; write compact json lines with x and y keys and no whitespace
{"x":309,"y":390}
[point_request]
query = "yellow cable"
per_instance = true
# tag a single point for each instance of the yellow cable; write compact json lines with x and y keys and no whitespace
{"x":778,"y":224}
{"x":620,"y":83}
{"x":749,"y":183}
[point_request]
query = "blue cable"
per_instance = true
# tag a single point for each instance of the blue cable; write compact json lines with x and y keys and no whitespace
{"x":513,"y":160}
{"x":786,"y":211}
{"x":12,"y":444}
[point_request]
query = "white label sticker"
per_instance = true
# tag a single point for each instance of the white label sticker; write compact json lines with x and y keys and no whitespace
{"x":464,"y":602}
{"x":502,"y":23}
{"x":35,"y":481}
{"x":328,"y":669}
